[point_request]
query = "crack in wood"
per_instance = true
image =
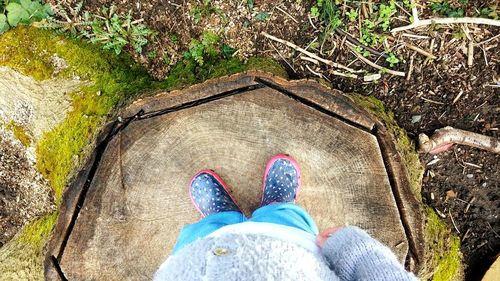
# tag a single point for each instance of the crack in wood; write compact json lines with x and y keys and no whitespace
{"x":311,"y":104}
{"x":120,"y":125}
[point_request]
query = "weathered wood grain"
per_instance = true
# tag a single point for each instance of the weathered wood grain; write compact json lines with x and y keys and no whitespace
{"x":138,"y":201}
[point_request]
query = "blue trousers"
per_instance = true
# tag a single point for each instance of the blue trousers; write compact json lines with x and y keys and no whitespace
{"x":283,"y":213}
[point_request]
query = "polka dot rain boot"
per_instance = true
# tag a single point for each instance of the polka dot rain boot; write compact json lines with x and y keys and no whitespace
{"x":210,"y":194}
{"x":281,"y":180}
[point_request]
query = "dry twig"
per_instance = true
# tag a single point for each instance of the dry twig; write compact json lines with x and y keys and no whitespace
{"x":374,"y":65}
{"x":446,"y":137}
{"x":312,"y":55}
{"x":309,"y":60}
{"x":419,"y":23}
{"x":453,"y":222}
{"x":355,"y":41}
{"x":414,"y":48}
{"x":283,"y":58}
{"x":284,"y":12}
{"x":314,"y":72}
{"x":470,"y":53}
{"x":410,"y":69}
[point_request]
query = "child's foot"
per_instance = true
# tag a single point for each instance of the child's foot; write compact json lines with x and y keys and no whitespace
{"x":210,"y":194}
{"x":281,"y":180}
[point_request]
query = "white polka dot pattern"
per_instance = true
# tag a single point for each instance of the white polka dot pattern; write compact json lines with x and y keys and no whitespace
{"x":209,"y":195}
{"x":281,"y":183}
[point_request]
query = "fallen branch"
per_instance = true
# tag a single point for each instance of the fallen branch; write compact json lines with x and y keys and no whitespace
{"x":374,"y":65}
{"x":446,"y":137}
{"x":312,"y":55}
{"x":420,"y":23}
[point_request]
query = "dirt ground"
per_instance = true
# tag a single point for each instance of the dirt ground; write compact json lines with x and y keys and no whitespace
{"x":463,"y":186}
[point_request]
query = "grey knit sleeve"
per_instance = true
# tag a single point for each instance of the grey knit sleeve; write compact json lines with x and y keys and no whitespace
{"x":353,"y":255}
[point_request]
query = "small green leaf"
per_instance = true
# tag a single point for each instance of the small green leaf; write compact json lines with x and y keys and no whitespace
{"x":16,"y":14}
{"x":262,"y":16}
{"x":250,"y":4}
{"x":227,"y":50}
{"x":314,"y":11}
{"x":4,"y":26}
{"x":47,"y":9}
{"x":26,"y":4}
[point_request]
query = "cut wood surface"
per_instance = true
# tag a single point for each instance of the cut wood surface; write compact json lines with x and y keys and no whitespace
{"x":138,"y":201}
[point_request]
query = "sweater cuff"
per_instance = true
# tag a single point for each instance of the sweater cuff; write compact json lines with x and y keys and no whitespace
{"x":353,"y":253}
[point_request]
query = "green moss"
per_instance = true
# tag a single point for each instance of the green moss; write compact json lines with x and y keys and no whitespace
{"x":112,"y":81}
{"x":443,"y":249}
{"x":188,"y":72}
{"x":404,"y":144}
{"x":20,"y":133}
{"x":442,"y":259}
{"x":266,"y":64}
{"x":31,"y":60}
{"x":38,"y":231}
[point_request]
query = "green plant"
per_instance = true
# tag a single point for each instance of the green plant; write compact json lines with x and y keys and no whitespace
{"x":392,"y":59}
{"x":114,"y":31}
{"x":262,"y":16}
{"x":174,"y":39}
{"x":330,"y":14}
{"x":14,"y":12}
{"x":250,"y":4}
{"x":167,"y":60}
{"x":207,"y":47}
{"x":444,"y":8}
{"x":314,"y":11}
{"x":362,"y":51}
{"x":368,"y":35}
{"x":352,"y":15}
{"x":227,"y":50}
{"x":385,"y":14}
{"x":205,"y":9}
{"x":488,"y":12}
{"x":152,"y":54}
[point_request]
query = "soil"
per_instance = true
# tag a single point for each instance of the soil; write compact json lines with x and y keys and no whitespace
{"x":443,"y":92}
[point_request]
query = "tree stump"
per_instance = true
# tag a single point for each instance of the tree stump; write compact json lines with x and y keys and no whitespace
{"x":120,"y":218}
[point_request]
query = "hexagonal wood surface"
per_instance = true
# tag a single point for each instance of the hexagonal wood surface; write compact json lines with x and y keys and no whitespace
{"x":121,"y":217}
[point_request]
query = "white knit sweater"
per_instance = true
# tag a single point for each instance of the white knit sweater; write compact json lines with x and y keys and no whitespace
{"x":350,"y":254}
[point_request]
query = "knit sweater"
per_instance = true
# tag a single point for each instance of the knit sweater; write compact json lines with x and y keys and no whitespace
{"x":349,"y":254}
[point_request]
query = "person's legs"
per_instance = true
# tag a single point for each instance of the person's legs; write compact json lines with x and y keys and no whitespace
{"x":286,"y":214}
{"x":205,"y":226}
{"x":212,"y":198}
{"x":279,"y":191}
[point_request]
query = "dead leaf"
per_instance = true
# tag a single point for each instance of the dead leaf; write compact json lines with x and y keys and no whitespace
{"x":450,"y":194}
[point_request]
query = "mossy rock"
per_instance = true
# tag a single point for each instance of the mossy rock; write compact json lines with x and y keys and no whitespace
{"x":109,"y":82}
{"x":442,"y":256}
